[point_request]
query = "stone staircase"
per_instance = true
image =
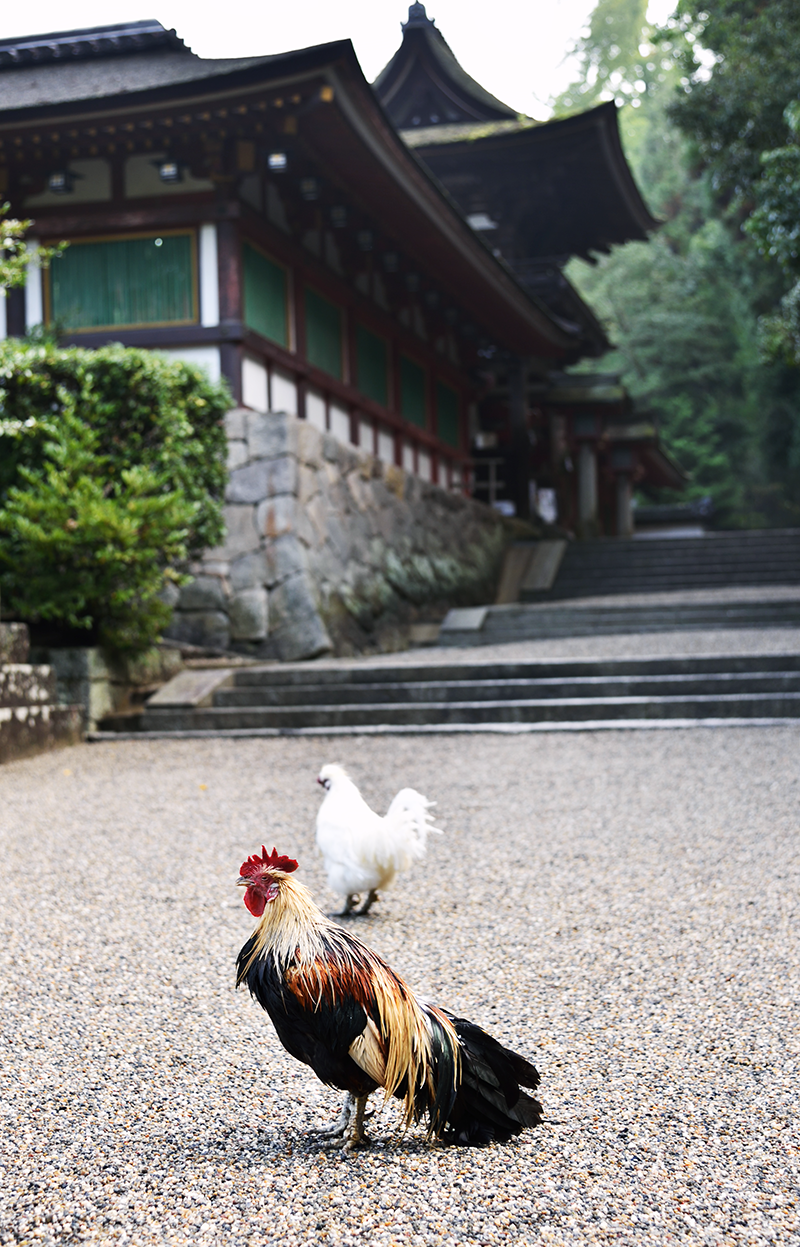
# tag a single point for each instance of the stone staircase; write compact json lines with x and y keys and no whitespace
{"x":663,"y":564}
{"x":31,"y":718}
{"x":474,"y":696}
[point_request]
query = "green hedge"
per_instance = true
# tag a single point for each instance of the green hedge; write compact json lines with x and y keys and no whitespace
{"x":112,"y":472}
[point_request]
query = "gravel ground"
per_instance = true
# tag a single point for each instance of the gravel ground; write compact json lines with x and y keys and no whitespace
{"x":621,"y":908}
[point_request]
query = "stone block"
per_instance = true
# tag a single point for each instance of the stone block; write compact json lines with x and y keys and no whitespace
{"x":285,"y":557}
{"x":210,"y":629}
{"x":170,"y":594}
{"x":309,"y":444}
{"x":307,"y":484}
{"x":237,"y":455}
{"x":331,"y":448}
{"x":262,"y":479}
{"x":14,"y":642}
{"x":241,"y":534}
{"x":296,"y":628}
{"x":235,"y":426}
{"x":203,"y":594}
{"x":248,"y":613}
{"x":276,"y":515}
{"x":272,"y":435}
{"x":249,"y":572}
{"x":192,"y":688}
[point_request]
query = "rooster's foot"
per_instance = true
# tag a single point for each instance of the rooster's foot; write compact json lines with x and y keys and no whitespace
{"x":371,"y":898}
{"x":355,"y":1136}
{"x":339,"y":1127}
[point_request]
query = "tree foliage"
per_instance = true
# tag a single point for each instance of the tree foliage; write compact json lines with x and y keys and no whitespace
{"x":147,"y":411}
{"x":112,"y":472}
{"x":686,"y":312}
{"x":14,"y":253}
{"x":88,"y":552}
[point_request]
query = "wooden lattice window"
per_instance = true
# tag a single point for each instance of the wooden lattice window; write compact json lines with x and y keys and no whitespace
{"x":323,"y":333}
{"x":448,"y":422}
{"x":412,"y":392}
{"x":122,"y":282}
{"x":265,"y":296}
{"x":372,"y":362}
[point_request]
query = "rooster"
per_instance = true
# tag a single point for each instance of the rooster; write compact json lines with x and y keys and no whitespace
{"x":362,"y":851}
{"x":339,"y":1008}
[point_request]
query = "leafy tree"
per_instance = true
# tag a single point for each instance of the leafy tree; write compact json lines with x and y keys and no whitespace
{"x":86,"y":551}
{"x":683,"y":311}
{"x":14,"y":254}
{"x":147,"y":411}
{"x":740,"y":62}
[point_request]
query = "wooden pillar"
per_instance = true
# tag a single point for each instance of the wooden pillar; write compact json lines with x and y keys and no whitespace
{"x":231,"y":303}
{"x":587,"y":483}
{"x":624,"y":507}
{"x":519,"y":459}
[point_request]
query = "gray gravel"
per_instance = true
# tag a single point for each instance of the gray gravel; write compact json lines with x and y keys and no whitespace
{"x":622,"y":908}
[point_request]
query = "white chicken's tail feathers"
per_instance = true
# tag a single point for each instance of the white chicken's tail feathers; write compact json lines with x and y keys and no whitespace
{"x":408,"y":823}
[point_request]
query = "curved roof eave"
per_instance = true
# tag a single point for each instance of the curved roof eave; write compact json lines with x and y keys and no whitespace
{"x":338,"y":63}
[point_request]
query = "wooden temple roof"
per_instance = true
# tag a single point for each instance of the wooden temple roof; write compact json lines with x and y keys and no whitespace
{"x":218,"y":117}
{"x":423,"y":84}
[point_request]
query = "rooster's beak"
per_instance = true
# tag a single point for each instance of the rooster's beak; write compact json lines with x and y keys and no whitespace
{"x":243,"y":883}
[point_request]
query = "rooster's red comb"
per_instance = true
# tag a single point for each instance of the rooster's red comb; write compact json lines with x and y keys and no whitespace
{"x":256,"y":865}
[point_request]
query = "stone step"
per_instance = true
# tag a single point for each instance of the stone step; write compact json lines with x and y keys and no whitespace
{"x":22,"y":684}
{"x":441,"y":691}
{"x":527,"y":710}
{"x":534,"y":622}
{"x":691,"y":664}
{"x":768,"y":557}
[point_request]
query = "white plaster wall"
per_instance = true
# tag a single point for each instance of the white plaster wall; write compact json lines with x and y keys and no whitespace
{"x":206,"y":357}
{"x":385,"y":446}
{"x":340,"y":422}
{"x":284,"y":393}
{"x":255,"y":388}
{"x":209,"y":275}
{"x":315,"y":410}
{"x":34,"y":305}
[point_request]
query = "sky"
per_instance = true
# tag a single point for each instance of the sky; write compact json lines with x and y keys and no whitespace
{"x":517,"y":49}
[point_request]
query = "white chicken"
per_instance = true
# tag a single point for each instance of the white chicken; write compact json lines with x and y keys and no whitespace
{"x":362,"y":851}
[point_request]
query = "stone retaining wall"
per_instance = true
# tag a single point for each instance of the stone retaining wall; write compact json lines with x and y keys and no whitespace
{"x":328,"y":548}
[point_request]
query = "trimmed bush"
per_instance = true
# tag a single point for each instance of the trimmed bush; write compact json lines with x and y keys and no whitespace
{"x":112,"y":473}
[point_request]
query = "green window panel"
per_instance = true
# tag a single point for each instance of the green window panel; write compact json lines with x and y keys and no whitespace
{"x":323,"y":334}
{"x":448,"y":422}
{"x":265,"y":297}
{"x":124,"y":281}
{"x":412,"y":392}
{"x":372,"y":361}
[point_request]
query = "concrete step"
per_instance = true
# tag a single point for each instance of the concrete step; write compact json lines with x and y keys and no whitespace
{"x":690,"y":664}
{"x":501,"y":624}
{"x":442,"y":691}
{"x":764,"y":557}
{"x":527,"y":710}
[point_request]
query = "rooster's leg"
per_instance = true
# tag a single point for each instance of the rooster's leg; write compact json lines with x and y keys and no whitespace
{"x":354,"y":1136}
{"x":371,"y":898}
{"x":339,"y":1127}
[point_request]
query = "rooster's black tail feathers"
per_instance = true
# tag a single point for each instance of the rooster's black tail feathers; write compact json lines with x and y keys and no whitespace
{"x":486,"y":1101}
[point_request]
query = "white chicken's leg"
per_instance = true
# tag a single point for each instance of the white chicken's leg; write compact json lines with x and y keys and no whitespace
{"x":371,"y":898}
{"x":352,"y":900}
{"x":339,"y":1127}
